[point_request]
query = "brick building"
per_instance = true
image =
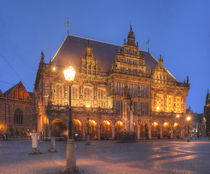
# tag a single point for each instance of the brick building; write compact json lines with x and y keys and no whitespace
{"x":127,"y":90}
{"x":17,"y":111}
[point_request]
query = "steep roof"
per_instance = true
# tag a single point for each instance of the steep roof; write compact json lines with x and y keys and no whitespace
{"x":10,"y":93}
{"x":73,"y":47}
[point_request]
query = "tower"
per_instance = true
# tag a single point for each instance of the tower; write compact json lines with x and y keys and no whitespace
{"x":207,"y":113}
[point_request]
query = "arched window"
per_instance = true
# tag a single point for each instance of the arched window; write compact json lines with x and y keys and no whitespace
{"x":18,"y":116}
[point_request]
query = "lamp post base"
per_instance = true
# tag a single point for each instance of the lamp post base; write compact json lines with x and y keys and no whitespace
{"x":70,"y":155}
{"x":70,"y":171}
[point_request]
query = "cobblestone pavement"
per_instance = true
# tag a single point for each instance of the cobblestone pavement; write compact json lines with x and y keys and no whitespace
{"x":144,"y":157}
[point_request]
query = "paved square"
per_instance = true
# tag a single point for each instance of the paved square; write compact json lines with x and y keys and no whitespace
{"x":145,"y":157}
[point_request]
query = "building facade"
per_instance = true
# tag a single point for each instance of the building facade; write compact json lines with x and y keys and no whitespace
{"x":128,"y":90}
{"x":207,"y":113}
{"x":17,"y":111}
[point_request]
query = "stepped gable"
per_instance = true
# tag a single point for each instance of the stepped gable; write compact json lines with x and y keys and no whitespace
{"x":73,"y":47}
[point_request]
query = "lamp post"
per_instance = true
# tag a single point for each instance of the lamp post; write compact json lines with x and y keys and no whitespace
{"x":188,"y":128}
{"x":88,"y":127}
{"x":69,"y":75}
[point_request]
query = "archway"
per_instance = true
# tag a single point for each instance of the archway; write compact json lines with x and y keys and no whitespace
{"x":77,"y":129}
{"x":166,"y":130}
{"x":59,"y":128}
{"x":144,"y":131}
{"x":106,"y":130}
{"x":155,"y":131}
{"x":93,"y":129}
{"x":118,"y":129}
{"x":176,"y":130}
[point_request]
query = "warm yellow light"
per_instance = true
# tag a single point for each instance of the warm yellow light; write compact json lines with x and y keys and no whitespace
{"x":157,"y":108}
{"x":177,"y":116}
{"x":155,"y":124}
{"x":176,"y":124}
{"x":69,"y":74}
{"x":54,"y":68}
{"x":108,"y":123}
{"x":119,"y":123}
{"x":92,"y":122}
{"x":87,"y":106}
{"x":188,"y":118}
{"x":165,"y":124}
{"x":3,"y":128}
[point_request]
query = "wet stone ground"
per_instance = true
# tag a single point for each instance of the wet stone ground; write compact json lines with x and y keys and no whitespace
{"x":144,"y":157}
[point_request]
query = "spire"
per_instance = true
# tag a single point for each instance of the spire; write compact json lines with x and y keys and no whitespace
{"x":207,"y":97}
{"x":131,"y":37}
{"x":147,"y":45}
{"x":89,"y":49}
{"x":160,"y":60}
{"x":42,"y":56}
{"x":67,"y":23}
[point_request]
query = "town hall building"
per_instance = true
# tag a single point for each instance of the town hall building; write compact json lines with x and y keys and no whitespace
{"x":126,"y":88}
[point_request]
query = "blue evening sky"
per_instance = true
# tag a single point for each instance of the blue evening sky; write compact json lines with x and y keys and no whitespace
{"x":177,"y":29}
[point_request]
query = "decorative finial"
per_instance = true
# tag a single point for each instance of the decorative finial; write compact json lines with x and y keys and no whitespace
{"x":137,"y":44}
{"x":67,"y":23}
{"x":131,"y":27}
{"x":187,"y":79}
{"x":42,"y":56}
{"x":147,"y":45}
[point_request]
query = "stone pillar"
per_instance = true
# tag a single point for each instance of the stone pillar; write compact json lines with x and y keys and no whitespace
{"x":138,"y":132}
{"x":182,"y":132}
{"x":149,"y":132}
{"x":161,"y":131}
{"x":113,"y":132}
{"x":172,"y":133}
{"x":52,"y":138}
{"x":83,"y":131}
{"x":99,"y":133}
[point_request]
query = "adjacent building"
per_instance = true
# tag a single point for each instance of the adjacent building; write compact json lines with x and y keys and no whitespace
{"x":17,"y":111}
{"x":128,"y":90}
{"x":207,"y":113}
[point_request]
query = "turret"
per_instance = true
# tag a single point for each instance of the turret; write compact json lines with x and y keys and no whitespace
{"x":131,"y":37}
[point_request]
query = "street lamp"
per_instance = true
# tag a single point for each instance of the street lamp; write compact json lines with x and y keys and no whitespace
{"x":88,"y":128}
{"x":188,"y":128}
{"x":69,"y":75}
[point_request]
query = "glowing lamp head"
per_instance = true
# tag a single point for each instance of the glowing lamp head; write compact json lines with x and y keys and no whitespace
{"x":54,"y":68}
{"x":177,"y":116}
{"x":188,"y":118}
{"x":69,"y":74}
{"x":157,"y":108}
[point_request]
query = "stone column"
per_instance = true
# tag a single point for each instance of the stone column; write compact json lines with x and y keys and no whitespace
{"x":161,"y":131}
{"x":172,"y":133}
{"x":113,"y":132}
{"x":182,"y":132}
{"x":99,"y":133}
{"x":149,"y":132}
{"x":52,"y":143}
{"x":138,"y":132}
{"x":83,"y":131}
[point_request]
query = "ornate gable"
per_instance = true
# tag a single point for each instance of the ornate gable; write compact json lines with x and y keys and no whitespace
{"x":89,"y":63}
{"x":129,"y":59}
{"x":18,"y":92}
